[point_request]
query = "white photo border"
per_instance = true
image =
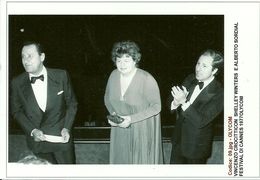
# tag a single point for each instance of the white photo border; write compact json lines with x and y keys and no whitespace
{"x":248,"y":76}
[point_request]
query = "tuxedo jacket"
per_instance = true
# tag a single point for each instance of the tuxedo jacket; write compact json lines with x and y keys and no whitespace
{"x":60,"y":110}
{"x":194,"y":126}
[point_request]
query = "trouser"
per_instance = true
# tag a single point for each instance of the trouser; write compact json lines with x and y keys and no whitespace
{"x":178,"y":158}
{"x":59,"y":157}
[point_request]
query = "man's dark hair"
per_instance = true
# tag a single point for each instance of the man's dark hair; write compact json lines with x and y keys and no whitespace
{"x":218,"y":60}
{"x":38,"y":46}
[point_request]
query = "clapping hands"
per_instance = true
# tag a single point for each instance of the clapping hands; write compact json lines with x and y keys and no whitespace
{"x":179,"y":95}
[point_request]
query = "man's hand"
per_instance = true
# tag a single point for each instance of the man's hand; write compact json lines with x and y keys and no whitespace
{"x":38,"y":135}
{"x":65,"y":134}
{"x":179,"y":95}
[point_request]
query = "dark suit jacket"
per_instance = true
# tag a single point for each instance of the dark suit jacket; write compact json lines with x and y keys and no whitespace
{"x":194,"y":126}
{"x":60,"y":109}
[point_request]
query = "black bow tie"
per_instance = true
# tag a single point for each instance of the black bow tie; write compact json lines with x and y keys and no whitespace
{"x":201,"y":84}
{"x":33,"y":79}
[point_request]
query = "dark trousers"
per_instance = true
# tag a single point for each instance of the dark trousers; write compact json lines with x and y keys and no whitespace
{"x":59,"y":157}
{"x":178,"y":158}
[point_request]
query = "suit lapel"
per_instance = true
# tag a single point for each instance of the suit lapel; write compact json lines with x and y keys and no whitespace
{"x":191,"y":89}
{"x":207,"y":92}
{"x":52,"y":89}
{"x":29,"y":95}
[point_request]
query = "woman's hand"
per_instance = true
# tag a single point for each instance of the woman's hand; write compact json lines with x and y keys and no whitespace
{"x":126,"y":123}
{"x":112,"y":123}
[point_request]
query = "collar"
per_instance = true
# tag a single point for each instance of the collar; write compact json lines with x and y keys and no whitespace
{"x":208,"y":81}
{"x":43,"y":72}
{"x":130,"y":76}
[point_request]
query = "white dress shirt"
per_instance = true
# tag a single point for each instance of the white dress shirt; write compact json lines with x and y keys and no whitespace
{"x":40,"y":89}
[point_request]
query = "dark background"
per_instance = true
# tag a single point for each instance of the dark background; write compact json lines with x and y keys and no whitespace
{"x":170,"y":46}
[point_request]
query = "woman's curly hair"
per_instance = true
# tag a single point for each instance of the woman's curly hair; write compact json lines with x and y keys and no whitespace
{"x":126,"y":47}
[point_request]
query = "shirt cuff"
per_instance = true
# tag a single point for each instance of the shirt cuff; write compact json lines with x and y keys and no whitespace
{"x":186,"y":105}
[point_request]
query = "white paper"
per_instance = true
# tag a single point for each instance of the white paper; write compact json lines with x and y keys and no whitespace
{"x":54,"y":139}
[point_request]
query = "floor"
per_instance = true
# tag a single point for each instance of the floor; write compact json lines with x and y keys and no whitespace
{"x":93,"y":153}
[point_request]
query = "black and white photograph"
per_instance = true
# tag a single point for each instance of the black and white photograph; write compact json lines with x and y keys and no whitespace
{"x":130,"y":89}
{"x":89,"y":48}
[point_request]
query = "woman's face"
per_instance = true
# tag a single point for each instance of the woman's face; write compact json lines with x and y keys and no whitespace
{"x":125,"y":64}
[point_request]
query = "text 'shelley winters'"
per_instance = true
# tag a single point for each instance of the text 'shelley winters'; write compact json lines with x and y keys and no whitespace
{"x":235,"y":123}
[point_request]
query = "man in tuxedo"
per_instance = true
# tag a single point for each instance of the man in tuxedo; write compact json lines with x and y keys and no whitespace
{"x":197,"y":102}
{"x":43,"y":102}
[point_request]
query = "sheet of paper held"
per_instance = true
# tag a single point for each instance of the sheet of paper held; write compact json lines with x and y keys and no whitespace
{"x":54,"y":139}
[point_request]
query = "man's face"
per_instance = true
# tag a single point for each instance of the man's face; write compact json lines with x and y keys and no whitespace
{"x":32,"y":61}
{"x":204,"y":69}
{"x":125,"y":64}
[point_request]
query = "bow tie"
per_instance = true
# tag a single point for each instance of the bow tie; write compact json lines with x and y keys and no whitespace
{"x":201,"y":84}
{"x":33,"y":79}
